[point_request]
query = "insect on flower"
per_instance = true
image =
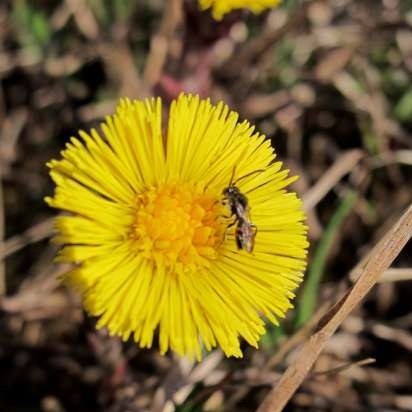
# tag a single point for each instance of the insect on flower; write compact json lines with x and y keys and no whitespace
{"x":239,"y":207}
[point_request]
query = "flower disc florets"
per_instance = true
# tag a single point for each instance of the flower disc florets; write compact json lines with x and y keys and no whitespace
{"x":178,"y":226}
{"x":156,"y":250}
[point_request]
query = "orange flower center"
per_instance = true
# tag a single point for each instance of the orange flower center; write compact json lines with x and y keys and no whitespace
{"x":179,"y":226}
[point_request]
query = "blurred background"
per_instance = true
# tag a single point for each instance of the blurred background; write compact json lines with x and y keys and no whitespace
{"x":329,"y":82}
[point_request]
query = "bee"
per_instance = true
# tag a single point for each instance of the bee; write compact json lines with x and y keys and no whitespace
{"x":239,"y":208}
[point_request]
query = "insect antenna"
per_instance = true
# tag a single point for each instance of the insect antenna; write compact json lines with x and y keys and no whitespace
{"x":233,"y":175}
{"x":257,"y":187}
{"x":247,"y":175}
{"x":230,"y":182}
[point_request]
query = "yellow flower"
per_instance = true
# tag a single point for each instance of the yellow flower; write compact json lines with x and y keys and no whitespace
{"x":221,"y":7}
{"x":149,"y":229}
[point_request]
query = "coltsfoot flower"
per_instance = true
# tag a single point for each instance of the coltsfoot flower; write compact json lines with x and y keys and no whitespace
{"x":221,"y":7}
{"x":151,"y":235}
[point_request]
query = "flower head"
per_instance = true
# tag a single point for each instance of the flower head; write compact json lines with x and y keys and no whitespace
{"x":151,"y":233}
{"x":221,"y":7}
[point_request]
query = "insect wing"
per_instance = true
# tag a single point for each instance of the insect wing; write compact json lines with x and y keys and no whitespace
{"x":245,"y":236}
{"x":250,"y":235}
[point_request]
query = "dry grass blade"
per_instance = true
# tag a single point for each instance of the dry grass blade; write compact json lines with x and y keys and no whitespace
{"x":396,"y":275}
{"x":36,"y":233}
{"x":380,"y":258}
{"x":333,"y":175}
{"x":363,"y":362}
{"x":396,"y":335}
